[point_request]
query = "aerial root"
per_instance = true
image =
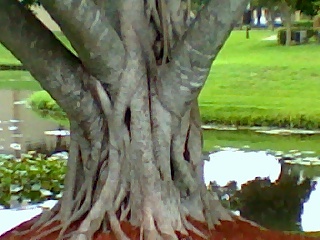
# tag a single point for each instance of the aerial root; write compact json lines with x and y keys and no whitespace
{"x":104,"y":225}
{"x":120,"y":196}
{"x":79,"y":197}
{"x":125,"y":211}
{"x":47,"y":232}
{"x":115,"y":227}
{"x":189,"y":226}
{"x":46,"y":218}
{"x":213,"y":209}
{"x":49,"y":222}
{"x":77,"y":213}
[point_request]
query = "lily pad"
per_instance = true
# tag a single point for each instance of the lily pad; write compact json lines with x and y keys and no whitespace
{"x":308,"y":152}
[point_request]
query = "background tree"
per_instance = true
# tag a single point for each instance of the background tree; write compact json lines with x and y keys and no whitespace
{"x":286,"y":7}
{"x":130,"y":95}
{"x":308,"y":7}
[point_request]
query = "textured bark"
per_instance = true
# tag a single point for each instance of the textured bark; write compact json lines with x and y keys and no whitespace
{"x":91,"y":34}
{"x":57,"y":69}
{"x":286,"y":13}
{"x":131,"y":97}
{"x":227,"y":230}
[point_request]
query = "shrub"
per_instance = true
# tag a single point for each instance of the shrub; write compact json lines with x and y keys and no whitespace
{"x":303,"y":24}
{"x":42,"y":103}
{"x":32,"y":178}
{"x":273,"y":205}
{"x":282,"y":34}
{"x":316,"y":21}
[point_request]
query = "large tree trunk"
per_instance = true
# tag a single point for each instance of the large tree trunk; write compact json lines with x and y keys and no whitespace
{"x":130,"y":95}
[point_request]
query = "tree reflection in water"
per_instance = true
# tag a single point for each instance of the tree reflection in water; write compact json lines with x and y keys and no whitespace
{"x":276,"y":205}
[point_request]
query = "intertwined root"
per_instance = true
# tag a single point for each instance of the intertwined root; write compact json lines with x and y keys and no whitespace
{"x":156,"y":222}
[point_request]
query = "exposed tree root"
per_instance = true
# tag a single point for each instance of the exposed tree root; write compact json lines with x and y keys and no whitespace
{"x":226,"y":230}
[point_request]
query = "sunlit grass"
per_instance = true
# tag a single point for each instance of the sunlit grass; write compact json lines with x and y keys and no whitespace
{"x":252,"y":82}
{"x":257,"y":82}
{"x":21,"y":80}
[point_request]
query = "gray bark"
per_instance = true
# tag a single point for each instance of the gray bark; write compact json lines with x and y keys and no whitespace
{"x":193,"y":56}
{"x":57,"y":69}
{"x":286,"y":12}
{"x":272,"y":17}
{"x":90,"y":32}
{"x":131,"y":97}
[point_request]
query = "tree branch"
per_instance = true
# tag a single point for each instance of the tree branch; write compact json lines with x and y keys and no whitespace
{"x":58,"y":71}
{"x":91,"y":34}
{"x":193,"y":56}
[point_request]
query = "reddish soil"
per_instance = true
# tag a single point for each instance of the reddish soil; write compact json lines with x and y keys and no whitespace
{"x":237,"y":230}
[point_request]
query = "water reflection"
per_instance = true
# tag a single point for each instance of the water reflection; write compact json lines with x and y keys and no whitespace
{"x":283,"y":197}
{"x":19,"y":126}
{"x":242,"y":166}
{"x":311,"y":211}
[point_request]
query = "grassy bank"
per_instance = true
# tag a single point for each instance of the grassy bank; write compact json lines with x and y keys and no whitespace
{"x":256,"y":82}
{"x":6,"y":57}
{"x":18,"y":80}
{"x":252,"y":82}
{"x":259,"y":141}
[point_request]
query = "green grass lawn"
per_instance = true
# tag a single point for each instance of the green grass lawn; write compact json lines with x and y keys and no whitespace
{"x":18,"y":80}
{"x":256,"y":82}
{"x":6,"y":57}
{"x":252,"y":82}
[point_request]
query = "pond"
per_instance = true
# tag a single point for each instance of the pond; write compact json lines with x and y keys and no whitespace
{"x":260,"y":141}
{"x":288,"y":201}
{"x":20,"y":128}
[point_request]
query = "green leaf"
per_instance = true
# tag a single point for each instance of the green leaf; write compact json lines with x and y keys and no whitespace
{"x":58,"y":196}
{"x":34,"y":179}
{"x":14,"y":188}
{"x":36,"y":187}
{"x":33,"y":168}
{"x":22,"y":173}
{"x":45,"y":193}
{"x":6,"y":170}
{"x":46,"y":184}
{"x":14,"y":197}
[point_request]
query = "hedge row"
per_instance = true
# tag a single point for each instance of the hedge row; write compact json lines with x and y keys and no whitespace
{"x":295,"y":33}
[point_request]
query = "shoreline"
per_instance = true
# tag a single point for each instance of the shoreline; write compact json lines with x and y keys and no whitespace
{"x":265,"y":130}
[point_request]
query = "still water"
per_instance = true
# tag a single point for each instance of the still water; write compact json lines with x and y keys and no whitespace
{"x":19,"y":126}
{"x":297,"y":202}
{"x":240,"y":166}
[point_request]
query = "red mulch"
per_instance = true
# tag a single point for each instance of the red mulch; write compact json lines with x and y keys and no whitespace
{"x":237,"y":230}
